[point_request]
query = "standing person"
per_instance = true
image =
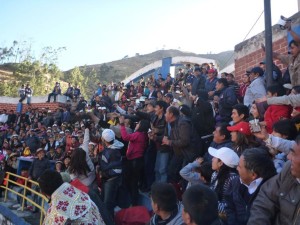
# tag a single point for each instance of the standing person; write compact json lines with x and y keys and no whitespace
{"x":110,"y":165}
{"x":226,"y":98}
{"x":292,"y":61}
{"x":134,"y":166}
{"x":244,"y":86}
{"x":198,"y":82}
{"x":28,"y":93}
{"x":32,"y":141}
{"x":68,"y":204}
{"x":21,"y":93}
{"x":256,"y":89}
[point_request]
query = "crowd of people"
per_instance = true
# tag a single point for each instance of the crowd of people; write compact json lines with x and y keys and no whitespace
{"x":224,"y":150}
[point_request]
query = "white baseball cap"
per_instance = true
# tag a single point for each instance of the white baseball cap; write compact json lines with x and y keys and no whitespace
{"x":108,"y":135}
{"x":226,"y":155}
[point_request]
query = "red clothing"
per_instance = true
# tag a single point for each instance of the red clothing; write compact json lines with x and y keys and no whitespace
{"x":243,"y":89}
{"x":137,"y":143}
{"x":275,"y":113}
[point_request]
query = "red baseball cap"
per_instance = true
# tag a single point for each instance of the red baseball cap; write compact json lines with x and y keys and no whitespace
{"x":242,"y":127}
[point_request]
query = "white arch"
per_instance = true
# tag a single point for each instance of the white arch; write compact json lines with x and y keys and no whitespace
{"x":175,"y":60}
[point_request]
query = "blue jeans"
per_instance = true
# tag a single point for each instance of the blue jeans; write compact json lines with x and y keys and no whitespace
{"x":109,"y":193}
{"x":161,"y":166}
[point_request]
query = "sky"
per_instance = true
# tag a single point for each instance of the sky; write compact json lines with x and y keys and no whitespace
{"x":98,"y":31}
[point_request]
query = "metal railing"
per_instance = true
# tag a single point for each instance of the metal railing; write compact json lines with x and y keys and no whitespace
{"x":26,"y":189}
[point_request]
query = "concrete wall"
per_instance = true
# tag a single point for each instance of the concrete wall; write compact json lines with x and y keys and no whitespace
{"x":249,"y":53}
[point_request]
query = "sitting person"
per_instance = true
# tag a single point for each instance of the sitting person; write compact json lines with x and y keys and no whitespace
{"x":200,"y":206}
{"x":255,"y":167}
{"x":224,"y":163}
{"x":276,"y":112}
{"x":197,"y":172}
{"x":165,"y":205}
{"x":56,"y":91}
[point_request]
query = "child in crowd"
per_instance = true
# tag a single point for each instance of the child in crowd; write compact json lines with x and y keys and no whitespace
{"x":197,"y":172}
{"x":276,"y":112}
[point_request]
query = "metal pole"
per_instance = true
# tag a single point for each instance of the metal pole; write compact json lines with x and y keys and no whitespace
{"x":268,"y":40}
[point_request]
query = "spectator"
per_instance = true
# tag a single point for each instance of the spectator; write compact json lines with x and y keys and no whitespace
{"x":239,"y":113}
{"x":32,"y":141}
{"x":76,"y":93}
{"x":255,"y":167}
{"x":210,"y":84}
{"x":257,"y":88}
{"x":224,"y":162}
{"x":232,"y":83}
{"x":198,"y":82}
{"x":244,"y":86}
{"x":197,"y":172}
{"x":111,"y":169}
{"x":227,"y":99}
{"x":69,"y":92}
{"x":165,"y":205}
{"x":276,"y":112}
{"x":135,"y":162}
{"x":39,"y":165}
{"x":21,"y":93}
{"x":56,"y":91}
{"x":28,"y":93}
{"x":200,"y":206}
{"x":54,"y":188}
{"x":241,"y":137}
{"x":292,"y":61}
{"x":276,"y":202}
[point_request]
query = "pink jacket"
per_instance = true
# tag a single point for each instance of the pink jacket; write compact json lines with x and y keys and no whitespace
{"x":138,"y":142}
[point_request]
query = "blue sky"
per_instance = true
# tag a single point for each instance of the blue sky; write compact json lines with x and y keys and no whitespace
{"x":97,"y":31}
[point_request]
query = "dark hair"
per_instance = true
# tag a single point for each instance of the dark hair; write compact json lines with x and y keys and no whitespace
{"x":206,"y":171}
{"x":162,"y":104}
{"x":49,"y":181}
{"x":223,"y":130}
{"x":144,"y":126}
{"x":242,"y":109}
{"x":294,"y":43}
{"x":202,"y":94}
{"x":174,"y":111}
{"x":223,"y":81}
{"x":286,"y":127}
{"x":78,"y":164}
{"x":185,"y":110}
{"x":223,"y":175}
{"x":164,"y":195}
{"x":297,"y":89}
{"x":229,"y":75}
{"x":259,"y":161}
{"x":276,"y":89}
{"x":201,"y":203}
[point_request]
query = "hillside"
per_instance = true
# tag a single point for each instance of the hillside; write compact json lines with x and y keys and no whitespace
{"x":120,"y":69}
{"x":42,"y":78}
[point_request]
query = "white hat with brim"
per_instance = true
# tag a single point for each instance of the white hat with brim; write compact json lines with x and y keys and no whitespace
{"x":226,"y":155}
{"x":39,"y":150}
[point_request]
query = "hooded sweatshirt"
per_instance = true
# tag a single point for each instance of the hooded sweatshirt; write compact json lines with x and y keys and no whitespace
{"x":69,"y":205}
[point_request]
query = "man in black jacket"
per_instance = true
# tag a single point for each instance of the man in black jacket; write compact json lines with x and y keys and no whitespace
{"x":198,"y":82}
{"x":255,"y":167}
